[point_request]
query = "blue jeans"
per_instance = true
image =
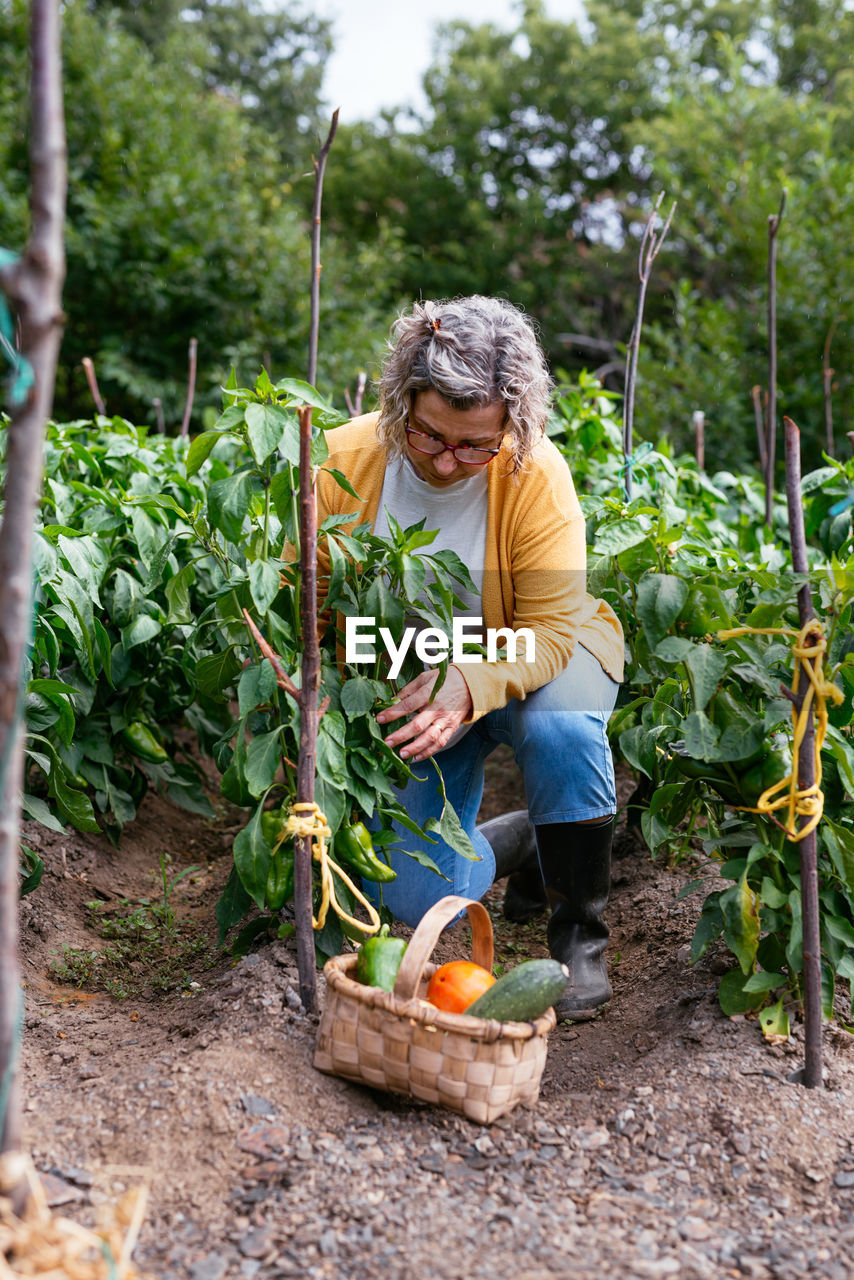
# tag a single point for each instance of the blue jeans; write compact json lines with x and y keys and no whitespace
{"x":560,"y":743}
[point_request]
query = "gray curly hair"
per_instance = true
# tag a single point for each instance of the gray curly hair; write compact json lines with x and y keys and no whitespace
{"x":474,"y":352}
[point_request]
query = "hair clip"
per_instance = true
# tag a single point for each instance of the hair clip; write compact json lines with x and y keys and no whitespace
{"x":433,"y":322}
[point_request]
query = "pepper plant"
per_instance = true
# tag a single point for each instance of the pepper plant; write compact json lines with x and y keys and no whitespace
{"x":247,"y":532}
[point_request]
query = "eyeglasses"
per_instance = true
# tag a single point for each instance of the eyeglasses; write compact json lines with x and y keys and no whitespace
{"x":465,"y":453}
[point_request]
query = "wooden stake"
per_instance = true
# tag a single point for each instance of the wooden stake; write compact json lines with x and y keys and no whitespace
{"x":33,"y":285}
{"x":771,"y":418}
{"x":191,"y":386}
{"x":812,"y":1072}
{"x":319,"y":169}
{"x":759,"y":416}
{"x":89,"y":370}
{"x":827,"y":383}
{"x":699,"y":419}
{"x":649,"y":247}
{"x":310,"y":687}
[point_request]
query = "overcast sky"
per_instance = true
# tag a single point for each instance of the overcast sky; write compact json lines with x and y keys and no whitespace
{"x":383,"y":47}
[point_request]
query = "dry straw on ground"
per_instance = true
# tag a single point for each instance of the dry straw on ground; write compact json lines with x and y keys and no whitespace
{"x":44,"y":1244}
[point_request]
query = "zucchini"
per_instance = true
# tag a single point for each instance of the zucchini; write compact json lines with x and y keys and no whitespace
{"x":524,"y":993}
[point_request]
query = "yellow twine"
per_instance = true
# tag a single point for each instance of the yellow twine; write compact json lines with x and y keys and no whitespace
{"x":809,"y":658}
{"x":311,"y":822}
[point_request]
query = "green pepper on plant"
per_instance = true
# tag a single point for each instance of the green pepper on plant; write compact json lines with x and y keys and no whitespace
{"x":141,"y":742}
{"x":354,"y":846}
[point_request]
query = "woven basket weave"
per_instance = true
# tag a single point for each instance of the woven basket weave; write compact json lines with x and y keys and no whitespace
{"x":396,"y":1041}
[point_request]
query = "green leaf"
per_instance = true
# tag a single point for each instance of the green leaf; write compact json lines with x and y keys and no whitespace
{"x":74,"y":806}
{"x":178,"y":596}
{"x":448,"y":823}
{"x":619,"y":536}
{"x":216,"y":672}
{"x":37,"y":808}
{"x":232,"y":905}
{"x":709,"y":927}
{"x":264,"y":584}
{"x":142,"y":629}
{"x":740,"y":907}
{"x":673,"y":649}
{"x":770,"y":895}
{"x":343,"y":482}
{"x":254,"y":929}
{"x":706,"y":667}
{"x":424,"y":860}
{"x":252,"y":857}
{"x":775,"y":1022}
{"x":734,"y":998}
{"x":303,"y":393}
{"x":200,"y":449}
{"x":660,"y":599}
{"x":257,"y":685}
{"x":266,"y":425}
{"x":32,"y":870}
{"x":228,"y":504}
{"x":701,"y":736}
{"x":263,"y":757}
{"x":762,"y":981}
{"x":357,"y":696}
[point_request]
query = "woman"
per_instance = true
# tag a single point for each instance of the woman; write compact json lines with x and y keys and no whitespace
{"x":460,"y":440}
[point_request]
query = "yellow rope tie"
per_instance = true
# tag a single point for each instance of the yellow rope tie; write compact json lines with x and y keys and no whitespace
{"x":306,"y":819}
{"x":809,"y":658}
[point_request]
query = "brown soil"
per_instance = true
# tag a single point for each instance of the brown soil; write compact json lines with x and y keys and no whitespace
{"x":668,"y":1140}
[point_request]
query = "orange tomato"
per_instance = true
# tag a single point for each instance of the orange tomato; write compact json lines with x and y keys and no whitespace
{"x":456,"y":985}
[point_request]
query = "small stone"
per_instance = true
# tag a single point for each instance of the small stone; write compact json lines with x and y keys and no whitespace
{"x":694,"y":1229}
{"x":844,"y":1179}
{"x":211,"y":1267}
{"x":328,"y":1243}
{"x":591,"y":1139}
{"x":253,"y":1105}
{"x":256,"y":1242}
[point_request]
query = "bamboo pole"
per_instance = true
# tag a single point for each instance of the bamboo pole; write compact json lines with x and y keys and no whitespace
{"x":774,"y":220}
{"x":812,"y":1072}
{"x":33,"y":285}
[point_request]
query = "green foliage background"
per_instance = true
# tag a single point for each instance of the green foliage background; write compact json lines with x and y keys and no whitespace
{"x":529,"y":174}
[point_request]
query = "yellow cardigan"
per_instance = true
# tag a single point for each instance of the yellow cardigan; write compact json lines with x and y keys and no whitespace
{"x":535,"y":567}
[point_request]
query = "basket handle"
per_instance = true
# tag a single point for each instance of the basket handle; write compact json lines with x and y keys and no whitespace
{"x":426,"y":936}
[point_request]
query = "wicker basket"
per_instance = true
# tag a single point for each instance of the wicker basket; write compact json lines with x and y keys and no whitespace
{"x":396,"y":1041}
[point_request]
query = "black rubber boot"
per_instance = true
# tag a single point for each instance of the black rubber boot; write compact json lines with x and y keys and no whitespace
{"x":511,"y":838}
{"x":576,"y":862}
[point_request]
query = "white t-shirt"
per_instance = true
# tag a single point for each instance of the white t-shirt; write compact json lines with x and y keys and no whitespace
{"x":457,"y":511}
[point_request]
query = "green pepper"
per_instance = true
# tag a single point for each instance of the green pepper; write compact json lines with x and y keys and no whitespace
{"x":776,"y":766}
{"x":379,"y":960}
{"x":141,"y":742}
{"x":280,"y":879}
{"x":354,"y":846}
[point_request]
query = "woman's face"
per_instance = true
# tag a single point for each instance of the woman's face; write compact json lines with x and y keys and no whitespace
{"x":482,"y":428}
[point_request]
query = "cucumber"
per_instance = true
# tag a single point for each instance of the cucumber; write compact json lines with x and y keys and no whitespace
{"x":524,"y":993}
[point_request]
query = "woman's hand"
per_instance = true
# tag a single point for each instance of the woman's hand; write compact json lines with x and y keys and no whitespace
{"x":432,"y":723}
